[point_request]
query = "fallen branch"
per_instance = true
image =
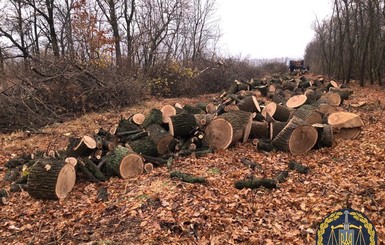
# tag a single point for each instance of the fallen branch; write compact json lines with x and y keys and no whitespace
{"x":298,"y":167}
{"x":256,"y":183}
{"x":187,"y":177}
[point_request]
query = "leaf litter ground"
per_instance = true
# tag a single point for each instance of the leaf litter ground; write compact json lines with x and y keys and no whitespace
{"x":154,"y":209}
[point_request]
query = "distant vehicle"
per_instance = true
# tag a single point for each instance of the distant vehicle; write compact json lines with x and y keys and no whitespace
{"x":297,"y":65}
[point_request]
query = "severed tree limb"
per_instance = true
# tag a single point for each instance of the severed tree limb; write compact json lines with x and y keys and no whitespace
{"x":185,"y":177}
{"x":298,"y":167}
{"x":256,"y":183}
{"x":91,"y":170}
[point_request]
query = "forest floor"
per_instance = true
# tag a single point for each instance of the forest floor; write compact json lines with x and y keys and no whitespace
{"x":154,"y":209}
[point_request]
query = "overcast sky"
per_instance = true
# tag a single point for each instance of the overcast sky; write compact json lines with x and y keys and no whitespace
{"x":269,"y":28}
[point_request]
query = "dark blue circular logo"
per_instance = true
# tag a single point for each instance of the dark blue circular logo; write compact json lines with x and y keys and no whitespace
{"x":346,"y":227}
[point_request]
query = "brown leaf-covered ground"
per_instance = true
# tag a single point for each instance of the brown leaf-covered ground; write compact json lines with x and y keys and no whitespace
{"x":154,"y":209}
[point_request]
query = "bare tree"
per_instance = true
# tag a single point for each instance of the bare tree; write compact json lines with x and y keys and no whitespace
{"x":45,"y":8}
{"x":109,"y":9}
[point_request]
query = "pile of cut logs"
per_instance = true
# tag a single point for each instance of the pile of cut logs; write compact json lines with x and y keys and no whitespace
{"x":287,"y":114}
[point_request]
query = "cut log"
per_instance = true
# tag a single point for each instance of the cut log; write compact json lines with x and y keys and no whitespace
{"x":259,"y":130}
{"x":332,"y":99}
{"x":154,"y":117}
{"x":81,"y":147}
{"x":231,"y":107}
{"x":124,"y":162}
{"x":137,"y":118}
{"x":202,"y":120}
{"x":296,"y":101}
{"x":167,"y":112}
{"x":211,"y":108}
{"x":311,"y":96}
{"x":160,"y":137}
{"x":178,"y":105}
{"x":326,"y":109}
{"x":243,"y":86}
{"x":343,"y":92}
{"x":343,"y":119}
{"x":125,"y":125}
{"x":145,"y":146}
{"x":90,"y":170}
{"x":325,"y":135}
{"x":228,"y":129}
{"x":276,"y":128}
{"x":289,"y":85}
{"x":51,"y":179}
{"x":347,"y":133}
{"x":249,"y":104}
{"x":278,"y":112}
{"x":155,"y":161}
{"x":193,"y":110}
{"x":182,"y":125}
{"x":279,"y":99}
{"x":263,"y":89}
{"x":281,"y":141}
{"x":201,"y":105}
{"x":308,"y":114}
{"x":148,"y":167}
{"x":241,"y":123}
{"x":302,"y":139}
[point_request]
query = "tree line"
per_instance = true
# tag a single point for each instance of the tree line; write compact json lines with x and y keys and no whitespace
{"x":350,"y":44}
{"x":125,"y":34}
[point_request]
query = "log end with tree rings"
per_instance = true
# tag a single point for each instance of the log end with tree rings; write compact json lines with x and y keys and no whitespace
{"x":131,"y":166}
{"x":219,"y":134}
{"x":296,"y":101}
{"x":51,"y":179}
{"x":326,"y":108}
{"x":332,"y":99}
{"x":65,"y":181}
{"x":277,"y":112}
{"x":344,"y":119}
{"x":167,"y":111}
{"x":211,"y":108}
{"x":138,"y":118}
{"x":302,"y":139}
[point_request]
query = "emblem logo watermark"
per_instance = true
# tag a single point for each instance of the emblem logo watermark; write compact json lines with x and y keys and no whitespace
{"x":346,"y":227}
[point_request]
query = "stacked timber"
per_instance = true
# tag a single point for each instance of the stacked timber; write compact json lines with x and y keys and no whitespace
{"x":284,"y":113}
